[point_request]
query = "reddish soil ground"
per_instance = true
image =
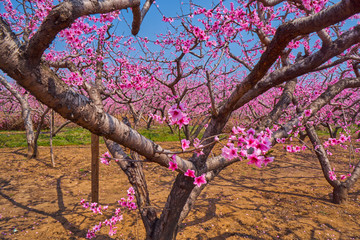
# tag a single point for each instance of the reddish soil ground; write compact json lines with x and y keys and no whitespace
{"x":289,"y":199}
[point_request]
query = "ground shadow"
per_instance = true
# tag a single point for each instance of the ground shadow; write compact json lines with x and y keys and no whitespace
{"x":58,"y":215}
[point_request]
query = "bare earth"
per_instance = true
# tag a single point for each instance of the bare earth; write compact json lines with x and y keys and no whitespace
{"x":289,"y":199}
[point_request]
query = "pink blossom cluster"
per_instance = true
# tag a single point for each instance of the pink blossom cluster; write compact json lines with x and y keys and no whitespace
{"x":74,"y":79}
{"x":131,"y":76}
{"x":316,"y":5}
{"x":94,"y":207}
{"x":198,"y":147}
{"x":294,"y":149}
{"x":169,"y":19}
{"x":129,"y":202}
{"x":185,"y":144}
{"x":172,"y":164}
{"x":177,"y":115}
{"x":198,"y":181}
{"x":247,"y":144}
{"x":332,"y":175}
{"x":111,"y":222}
{"x":157,"y":117}
{"x":199,"y":33}
{"x":105,"y":158}
{"x":333,"y":141}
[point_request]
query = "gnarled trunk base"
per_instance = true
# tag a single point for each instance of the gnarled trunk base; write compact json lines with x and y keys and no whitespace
{"x":340,"y":194}
{"x":32,"y":151}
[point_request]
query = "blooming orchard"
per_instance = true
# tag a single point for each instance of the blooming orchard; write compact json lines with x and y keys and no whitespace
{"x":272,"y":69}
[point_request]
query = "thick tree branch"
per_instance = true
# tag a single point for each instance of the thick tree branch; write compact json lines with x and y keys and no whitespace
{"x":62,"y":16}
{"x":270,"y":3}
{"x":284,"y":34}
{"x":138,"y":16}
{"x":321,"y":155}
{"x":303,"y":66}
{"x":317,"y":104}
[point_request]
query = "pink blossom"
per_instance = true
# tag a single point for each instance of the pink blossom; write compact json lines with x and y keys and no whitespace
{"x":251,"y":141}
{"x":307,"y":112}
{"x":173,"y":165}
{"x":175,"y":114}
{"x":90,"y":234}
{"x":183,"y":121}
{"x":332,"y":175}
{"x":251,"y":131}
{"x":264,"y":145}
{"x":89,"y":50}
{"x":112,"y":230}
{"x":117,"y":211}
{"x":131,"y":191}
{"x":105,"y":158}
{"x":268,"y":160}
{"x":289,"y":148}
{"x":229,"y":153}
{"x":131,"y":198}
{"x":200,"y":180}
{"x":198,"y":147}
{"x":132,"y":206}
{"x":190,"y":173}
{"x":185,"y":144}
{"x":254,"y":159}
{"x":97,"y":228}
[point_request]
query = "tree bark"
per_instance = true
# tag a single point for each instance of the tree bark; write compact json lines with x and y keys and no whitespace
{"x":340,"y":194}
{"x":32,"y":151}
{"x":51,"y":138}
{"x":94,"y":168}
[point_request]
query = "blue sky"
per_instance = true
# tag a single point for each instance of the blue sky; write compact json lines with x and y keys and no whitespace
{"x":153,"y":23}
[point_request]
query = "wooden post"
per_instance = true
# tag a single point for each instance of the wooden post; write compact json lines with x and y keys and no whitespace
{"x":51,"y":138}
{"x":94,"y":168}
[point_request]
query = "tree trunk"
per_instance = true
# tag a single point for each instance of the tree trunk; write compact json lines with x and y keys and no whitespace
{"x":26,"y":116}
{"x":51,"y":138}
{"x":94,"y":168}
{"x":340,"y":194}
{"x":167,"y":226}
{"x":148,"y":125}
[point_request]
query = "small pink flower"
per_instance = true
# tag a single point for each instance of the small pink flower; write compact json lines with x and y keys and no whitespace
{"x":89,"y":50}
{"x":173,"y":166}
{"x":254,"y":159}
{"x":200,"y":180}
{"x":185,"y":144}
{"x":132,"y":206}
{"x":105,"y":158}
{"x":90,"y":234}
{"x":131,"y":191}
{"x":307,"y":112}
{"x":190,"y":173}
{"x":131,"y":198}
{"x":332,"y":175}
{"x":251,"y":131}
{"x":229,"y":153}
{"x":118,"y":211}
{"x":112,"y":230}
{"x":268,"y":160}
